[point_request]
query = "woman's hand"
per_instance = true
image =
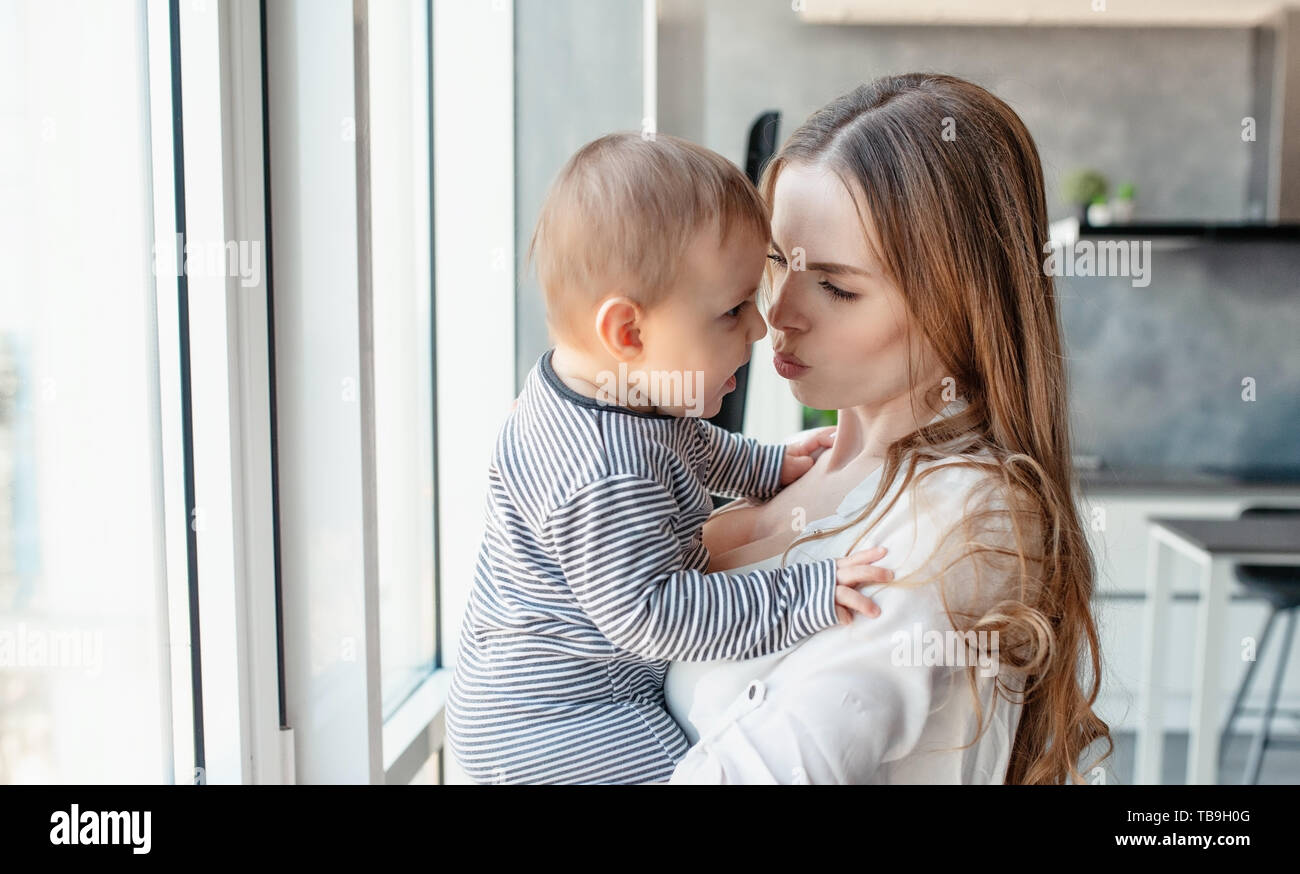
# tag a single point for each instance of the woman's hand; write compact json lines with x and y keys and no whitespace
{"x":799,"y":457}
{"x":853,"y":571}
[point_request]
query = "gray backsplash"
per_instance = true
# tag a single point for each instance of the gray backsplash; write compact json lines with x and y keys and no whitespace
{"x":1161,"y":107}
{"x":1156,"y":372}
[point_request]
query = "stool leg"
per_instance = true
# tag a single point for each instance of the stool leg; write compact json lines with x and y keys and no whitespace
{"x":1261,"y":739}
{"x":1245,"y":685}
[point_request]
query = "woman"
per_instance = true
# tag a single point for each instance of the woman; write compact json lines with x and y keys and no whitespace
{"x":906,"y":292}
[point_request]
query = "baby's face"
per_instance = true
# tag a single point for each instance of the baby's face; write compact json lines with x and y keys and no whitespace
{"x":702,"y":330}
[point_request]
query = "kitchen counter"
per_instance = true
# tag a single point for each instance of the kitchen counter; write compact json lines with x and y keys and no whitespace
{"x":1188,"y":479}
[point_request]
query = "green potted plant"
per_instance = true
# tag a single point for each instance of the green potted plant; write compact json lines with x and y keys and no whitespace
{"x":1083,"y":186}
{"x":1121,"y":208}
{"x":1099,"y":211}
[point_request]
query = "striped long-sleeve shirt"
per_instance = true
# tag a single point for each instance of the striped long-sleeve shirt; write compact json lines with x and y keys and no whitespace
{"x":591,"y":578}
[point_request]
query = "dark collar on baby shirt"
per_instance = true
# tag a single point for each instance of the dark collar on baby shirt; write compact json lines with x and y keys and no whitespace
{"x":553,"y":380}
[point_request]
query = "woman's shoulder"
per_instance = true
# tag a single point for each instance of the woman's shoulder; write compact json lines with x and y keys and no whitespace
{"x":983,"y":526}
{"x":936,"y":492}
{"x":954,"y":482}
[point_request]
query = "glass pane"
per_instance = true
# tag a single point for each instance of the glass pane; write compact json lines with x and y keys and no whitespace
{"x":81,"y":630}
{"x":399,"y":177}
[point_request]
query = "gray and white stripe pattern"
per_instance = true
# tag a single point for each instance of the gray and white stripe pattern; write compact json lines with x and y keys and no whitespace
{"x":591,"y":577}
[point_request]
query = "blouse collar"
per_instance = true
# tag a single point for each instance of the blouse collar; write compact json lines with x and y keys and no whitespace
{"x":953,"y":408}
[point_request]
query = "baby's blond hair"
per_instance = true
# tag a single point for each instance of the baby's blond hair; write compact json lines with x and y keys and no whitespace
{"x":622,"y":213}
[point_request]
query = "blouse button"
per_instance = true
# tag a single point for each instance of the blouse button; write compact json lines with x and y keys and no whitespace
{"x":756,"y":691}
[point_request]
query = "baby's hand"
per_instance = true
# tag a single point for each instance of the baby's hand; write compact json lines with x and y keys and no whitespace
{"x":799,"y":457}
{"x":853,"y":571}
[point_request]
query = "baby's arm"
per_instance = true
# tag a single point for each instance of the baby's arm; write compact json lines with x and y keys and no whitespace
{"x":617,"y":544}
{"x":741,"y":467}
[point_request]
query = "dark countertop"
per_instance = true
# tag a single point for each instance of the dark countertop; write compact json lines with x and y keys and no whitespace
{"x":1231,"y":232}
{"x":1188,"y":479}
{"x":1266,"y":534}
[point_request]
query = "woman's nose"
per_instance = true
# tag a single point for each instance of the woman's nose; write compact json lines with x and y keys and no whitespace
{"x":781,"y":313}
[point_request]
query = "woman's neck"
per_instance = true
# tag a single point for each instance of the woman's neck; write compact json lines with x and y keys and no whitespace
{"x":865,"y":432}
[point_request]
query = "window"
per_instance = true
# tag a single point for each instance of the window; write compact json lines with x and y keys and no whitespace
{"x":83,"y":624}
{"x":403,"y":348}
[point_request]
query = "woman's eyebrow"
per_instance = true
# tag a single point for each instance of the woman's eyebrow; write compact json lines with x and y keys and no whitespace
{"x":832,"y":267}
{"x":827,"y":266}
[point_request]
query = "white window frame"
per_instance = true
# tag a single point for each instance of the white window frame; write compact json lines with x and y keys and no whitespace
{"x":473,"y":221}
{"x":346,"y":739}
{"x":228,"y":381}
{"x":474,"y":282}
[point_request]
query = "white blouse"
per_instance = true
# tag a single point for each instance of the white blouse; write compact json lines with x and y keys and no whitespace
{"x":882,"y":700}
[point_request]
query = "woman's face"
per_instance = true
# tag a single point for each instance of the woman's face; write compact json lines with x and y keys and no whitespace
{"x":839,"y":325}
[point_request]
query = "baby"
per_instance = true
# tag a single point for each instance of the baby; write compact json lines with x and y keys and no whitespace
{"x":591,"y":575}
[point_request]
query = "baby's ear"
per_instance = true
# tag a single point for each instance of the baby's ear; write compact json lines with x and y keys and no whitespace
{"x":618,"y":325}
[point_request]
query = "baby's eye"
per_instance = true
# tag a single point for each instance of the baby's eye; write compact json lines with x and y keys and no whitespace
{"x":776,"y":259}
{"x":737,"y":309}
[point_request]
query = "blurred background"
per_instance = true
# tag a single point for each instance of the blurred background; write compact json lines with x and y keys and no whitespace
{"x":266,"y":307}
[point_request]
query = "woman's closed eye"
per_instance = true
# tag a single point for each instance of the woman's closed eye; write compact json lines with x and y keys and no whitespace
{"x":833,"y":290}
{"x":837,"y":292}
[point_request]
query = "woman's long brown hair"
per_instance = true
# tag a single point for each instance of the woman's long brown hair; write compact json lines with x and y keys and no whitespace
{"x":952,"y":179}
